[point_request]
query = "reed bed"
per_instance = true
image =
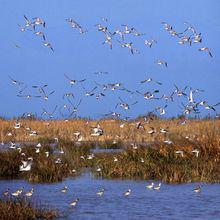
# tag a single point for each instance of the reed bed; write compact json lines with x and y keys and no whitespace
{"x":44,"y":169}
{"x":112,"y":131}
{"x":21,"y":209}
{"x":161,"y":162}
{"x":149,"y":158}
{"x":168,"y":168}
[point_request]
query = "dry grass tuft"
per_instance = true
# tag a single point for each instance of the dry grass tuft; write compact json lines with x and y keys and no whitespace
{"x":20,"y":208}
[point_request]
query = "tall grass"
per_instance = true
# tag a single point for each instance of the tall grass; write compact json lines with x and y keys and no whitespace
{"x":162,"y":163}
{"x":20,"y":209}
{"x":44,"y":169}
{"x":48,"y":130}
{"x":153,"y":159}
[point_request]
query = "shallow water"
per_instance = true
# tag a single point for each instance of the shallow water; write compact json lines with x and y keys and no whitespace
{"x":171,"y":202}
{"x":107,"y":150}
{"x":6,"y":146}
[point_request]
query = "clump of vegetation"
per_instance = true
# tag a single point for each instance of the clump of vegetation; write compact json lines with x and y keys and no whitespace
{"x":49,"y":165}
{"x":161,"y":162}
{"x":20,"y":208}
{"x":9,"y":164}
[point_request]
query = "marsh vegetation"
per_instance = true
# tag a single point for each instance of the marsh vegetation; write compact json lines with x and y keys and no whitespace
{"x":20,"y":208}
{"x":173,"y":161}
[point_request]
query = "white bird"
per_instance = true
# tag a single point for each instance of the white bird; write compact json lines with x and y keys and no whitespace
{"x":197,"y":189}
{"x":114,"y":142}
{"x":64,"y":189}
{"x":196,"y":151}
{"x":206,"y":49}
{"x":134,"y":146}
{"x":122,"y":125}
{"x":74,"y":203}
{"x":39,"y":21}
{"x":149,"y":42}
{"x":150,"y":186}
{"x":17,"y":192}
{"x":97,"y":131}
{"x":161,"y":62}
{"x":127,"y":193}
{"x":90,"y":156}
{"x":39,"y":145}
{"x":179,"y":152}
{"x":148,"y":80}
{"x":26,"y":165}
{"x":100,"y":192}
{"x":163,"y":130}
{"x":168,"y":141}
{"x":17,"y":125}
{"x":167,"y":26}
{"x":12,"y":145}
{"x":30,"y":193}
{"x":157,"y":187}
{"x":108,"y":40}
{"x":98,"y":169}
{"x":33,"y":133}
{"x":82,"y":157}
{"x":115,"y":159}
{"x":152,"y":131}
{"x":40,"y":33}
{"x":120,"y":33}
{"x":58,"y":161}
{"x":77,"y":134}
{"x":197,"y":38}
{"x":6,"y":192}
{"x":161,"y":110}
{"x":80,"y":138}
{"x":182,"y":122}
{"x":190,"y":98}
{"x":47,"y":44}
{"x":61,"y":151}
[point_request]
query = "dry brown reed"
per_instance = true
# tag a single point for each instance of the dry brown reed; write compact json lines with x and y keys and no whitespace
{"x":161,"y":162}
{"x":21,"y":209}
{"x":195,"y":129}
{"x":153,"y":159}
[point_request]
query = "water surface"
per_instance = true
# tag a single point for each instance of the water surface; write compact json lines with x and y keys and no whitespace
{"x":171,"y":202}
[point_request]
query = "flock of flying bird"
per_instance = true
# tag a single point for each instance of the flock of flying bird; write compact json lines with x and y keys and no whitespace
{"x":99,"y":90}
{"x":188,"y":36}
{"x":190,"y":102}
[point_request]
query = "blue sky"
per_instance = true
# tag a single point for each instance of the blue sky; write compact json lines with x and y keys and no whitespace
{"x":80,"y":55}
